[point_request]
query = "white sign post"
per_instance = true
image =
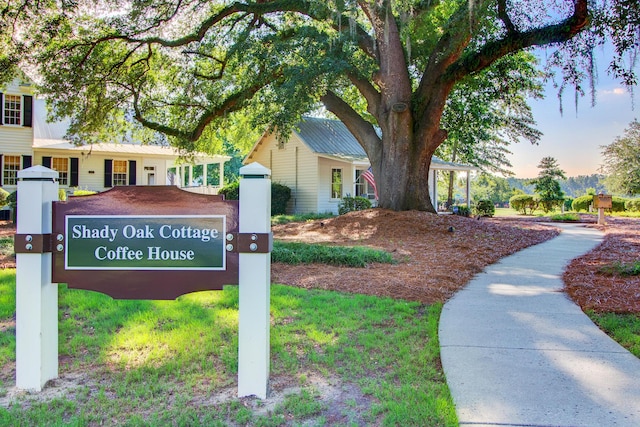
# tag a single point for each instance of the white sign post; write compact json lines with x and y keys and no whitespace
{"x":36,"y":296}
{"x":255,"y":282}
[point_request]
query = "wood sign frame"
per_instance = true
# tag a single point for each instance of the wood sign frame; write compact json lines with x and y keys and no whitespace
{"x":145,"y":209}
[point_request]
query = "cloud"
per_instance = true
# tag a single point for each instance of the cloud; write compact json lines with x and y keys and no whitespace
{"x":615,"y":91}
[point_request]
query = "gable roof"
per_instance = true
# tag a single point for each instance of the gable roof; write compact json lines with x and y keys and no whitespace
{"x":331,"y":138}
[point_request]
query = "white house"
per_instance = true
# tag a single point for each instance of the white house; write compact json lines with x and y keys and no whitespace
{"x":27,"y":139}
{"x":322,"y":163}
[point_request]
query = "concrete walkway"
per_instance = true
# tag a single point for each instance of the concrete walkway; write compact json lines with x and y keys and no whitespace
{"x":517,"y":351}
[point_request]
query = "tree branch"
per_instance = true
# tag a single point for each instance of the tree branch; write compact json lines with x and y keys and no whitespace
{"x":363,"y":131}
{"x":232,"y":103}
{"x":514,"y":41}
{"x":504,"y":16}
{"x":367,"y":90}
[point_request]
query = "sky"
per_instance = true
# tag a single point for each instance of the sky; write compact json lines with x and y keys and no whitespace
{"x":574,"y":137}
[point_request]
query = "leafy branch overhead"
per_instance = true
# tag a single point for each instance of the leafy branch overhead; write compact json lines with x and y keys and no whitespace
{"x":385,"y":68}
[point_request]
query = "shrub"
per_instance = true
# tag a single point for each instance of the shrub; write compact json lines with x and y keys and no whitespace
{"x":302,"y":253}
{"x":62,"y":194}
{"x":231,"y":191}
{"x":582,"y":203}
{"x":617,"y":204}
{"x":522,"y":202}
{"x":462,"y":210}
{"x":632,"y":205}
{"x":622,"y":269}
{"x":565,"y":217}
{"x":567,"y":203}
{"x":78,"y":192}
{"x":4,"y":197}
{"x":280,"y":195}
{"x":12,"y":200}
{"x":485,"y":208}
{"x":348,"y":204}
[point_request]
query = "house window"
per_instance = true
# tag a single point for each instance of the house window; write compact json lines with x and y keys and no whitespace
{"x":336,"y":183}
{"x":12,"y":110}
{"x":10,"y":170}
{"x":61,"y":165}
{"x":119,"y":172}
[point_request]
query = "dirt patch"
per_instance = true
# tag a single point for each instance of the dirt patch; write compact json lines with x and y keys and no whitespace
{"x":589,"y":283}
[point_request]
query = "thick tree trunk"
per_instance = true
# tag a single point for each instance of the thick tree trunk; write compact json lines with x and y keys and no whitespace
{"x":402,"y":168}
{"x":410,"y":127}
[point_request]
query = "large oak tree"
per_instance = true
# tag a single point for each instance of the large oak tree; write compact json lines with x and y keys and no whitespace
{"x":384,"y":67}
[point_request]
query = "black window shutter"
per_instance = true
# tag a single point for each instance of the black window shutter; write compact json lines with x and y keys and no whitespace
{"x":1,"y":110}
{"x":28,"y":111}
{"x":26,"y":162}
{"x":132,"y":172}
{"x":46,"y":162}
{"x":1,"y":165}
{"x":108,"y":173}
{"x":73,"y":178}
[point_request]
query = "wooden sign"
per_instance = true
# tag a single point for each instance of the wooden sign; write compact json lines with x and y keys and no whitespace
{"x":602,"y":201}
{"x":145,"y":242}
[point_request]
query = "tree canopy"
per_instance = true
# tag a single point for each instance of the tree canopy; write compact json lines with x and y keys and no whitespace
{"x":622,"y":162}
{"x":386,"y":68}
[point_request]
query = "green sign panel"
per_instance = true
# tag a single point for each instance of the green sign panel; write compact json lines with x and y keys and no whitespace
{"x":152,"y":242}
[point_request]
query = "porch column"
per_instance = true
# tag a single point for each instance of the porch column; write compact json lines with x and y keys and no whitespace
{"x":435,"y":189}
{"x":204,"y":175}
{"x":468,"y":189}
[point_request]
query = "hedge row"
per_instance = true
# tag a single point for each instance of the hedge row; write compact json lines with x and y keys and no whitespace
{"x":582,"y":203}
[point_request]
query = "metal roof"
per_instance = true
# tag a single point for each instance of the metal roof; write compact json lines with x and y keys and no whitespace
{"x":331,"y":138}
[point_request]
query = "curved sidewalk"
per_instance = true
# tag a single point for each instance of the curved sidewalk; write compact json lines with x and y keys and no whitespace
{"x":517,"y":351}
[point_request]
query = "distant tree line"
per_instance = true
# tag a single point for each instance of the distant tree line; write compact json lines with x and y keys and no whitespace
{"x":499,"y":190}
{"x":573,"y":186}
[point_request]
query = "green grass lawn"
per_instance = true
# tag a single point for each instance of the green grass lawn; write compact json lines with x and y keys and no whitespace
{"x":157,"y":363}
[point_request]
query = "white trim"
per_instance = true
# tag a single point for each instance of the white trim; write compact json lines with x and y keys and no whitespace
{"x":331,"y":198}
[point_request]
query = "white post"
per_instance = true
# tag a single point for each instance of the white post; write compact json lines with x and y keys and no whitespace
{"x":36,"y":296}
{"x":601,"y":220}
{"x":255,"y":282}
{"x":469,"y":189}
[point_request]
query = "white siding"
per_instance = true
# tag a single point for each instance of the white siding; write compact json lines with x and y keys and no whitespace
{"x":161,"y":166}
{"x":294,"y":165}
{"x":15,"y":139}
{"x":91,"y":172}
{"x":325,"y":202}
{"x":91,"y":167}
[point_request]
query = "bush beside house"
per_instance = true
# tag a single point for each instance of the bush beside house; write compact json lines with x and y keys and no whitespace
{"x":349,"y":204}
{"x":485,"y":208}
{"x":280,"y":195}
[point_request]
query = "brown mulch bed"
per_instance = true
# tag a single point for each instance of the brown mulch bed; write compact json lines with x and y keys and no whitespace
{"x":433,"y":262}
{"x":589,"y":283}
